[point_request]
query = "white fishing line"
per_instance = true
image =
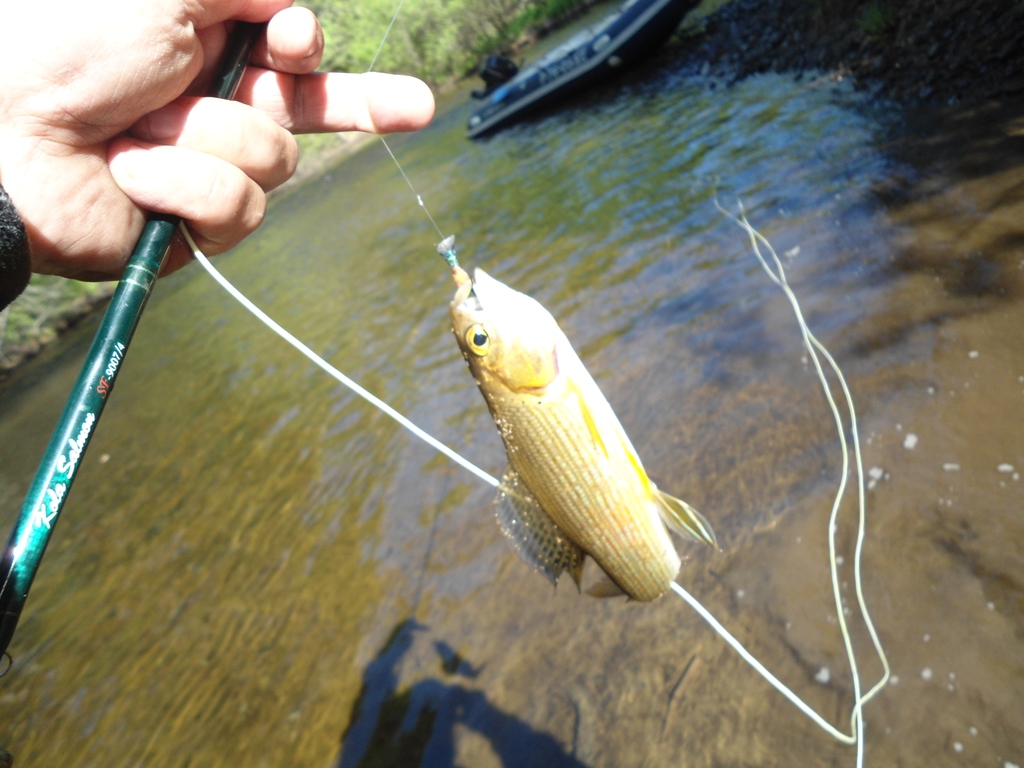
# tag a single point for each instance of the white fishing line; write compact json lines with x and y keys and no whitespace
{"x":387,"y":31}
{"x":383,"y":141}
{"x":810,"y":342}
{"x":319,"y":361}
{"x":814,"y":346}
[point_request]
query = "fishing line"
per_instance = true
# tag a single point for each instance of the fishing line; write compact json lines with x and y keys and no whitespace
{"x":813,"y":346}
{"x":449,"y":253}
{"x":447,"y":250}
{"x":386,"y":33}
{"x":319,"y":361}
{"x":419,"y":199}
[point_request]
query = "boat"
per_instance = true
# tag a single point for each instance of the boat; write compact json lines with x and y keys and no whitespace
{"x":625,"y":37}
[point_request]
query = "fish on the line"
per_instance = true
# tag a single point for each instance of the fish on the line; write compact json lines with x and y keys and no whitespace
{"x":574,"y":484}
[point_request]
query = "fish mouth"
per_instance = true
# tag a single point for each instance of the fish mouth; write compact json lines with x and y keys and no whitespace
{"x":466,"y":298}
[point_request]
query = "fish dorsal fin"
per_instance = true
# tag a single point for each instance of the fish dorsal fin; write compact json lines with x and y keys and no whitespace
{"x":683,"y":519}
{"x":602,"y":423}
{"x":588,"y":417}
{"x":534,"y":536}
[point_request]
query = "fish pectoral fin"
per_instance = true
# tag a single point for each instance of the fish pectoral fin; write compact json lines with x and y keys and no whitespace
{"x":606,"y":588}
{"x":683,"y":519}
{"x":531,"y":532}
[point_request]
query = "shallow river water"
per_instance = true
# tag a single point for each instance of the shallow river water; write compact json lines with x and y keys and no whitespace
{"x":255,"y":568}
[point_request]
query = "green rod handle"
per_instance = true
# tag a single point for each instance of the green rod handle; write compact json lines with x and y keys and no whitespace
{"x":63,"y":457}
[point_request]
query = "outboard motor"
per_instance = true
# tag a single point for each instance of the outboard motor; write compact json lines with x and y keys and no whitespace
{"x":495,"y":71}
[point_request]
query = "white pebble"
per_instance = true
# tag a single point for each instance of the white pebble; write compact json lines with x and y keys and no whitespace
{"x":1005,"y":468}
{"x":952,"y":676}
{"x":926,"y":673}
{"x":958,"y":747}
{"x":950,"y":687}
{"x":926,"y":637}
{"x":1008,"y":764}
{"x":951,"y":467}
{"x":894,"y":680}
{"x":931,"y":390}
{"x":973,"y":354}
{"x":875,"y":473}
{"x":1015,"y":476}
{"x":973,"y":731}
{"x":910,"y":441}
{"x":991,"y":606}
{"x":823,"y":676}
{"x":791,"y":252}
{"x":739,"y":594}
{"x":839,"y":559}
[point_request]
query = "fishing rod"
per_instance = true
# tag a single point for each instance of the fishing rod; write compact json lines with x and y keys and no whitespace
{"x":49,"y":489}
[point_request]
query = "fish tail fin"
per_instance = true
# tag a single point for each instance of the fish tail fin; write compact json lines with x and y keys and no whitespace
{"x":684,"y":519}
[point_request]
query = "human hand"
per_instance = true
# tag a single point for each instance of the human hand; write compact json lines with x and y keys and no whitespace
{"x":102,"y":116}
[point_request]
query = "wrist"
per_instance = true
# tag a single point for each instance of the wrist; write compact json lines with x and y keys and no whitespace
{"x":15,"y":260}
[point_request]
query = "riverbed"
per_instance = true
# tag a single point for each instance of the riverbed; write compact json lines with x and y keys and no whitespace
{"x":256,"y":568}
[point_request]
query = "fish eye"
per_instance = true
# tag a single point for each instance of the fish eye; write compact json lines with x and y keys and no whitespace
{"x":478,"y":340}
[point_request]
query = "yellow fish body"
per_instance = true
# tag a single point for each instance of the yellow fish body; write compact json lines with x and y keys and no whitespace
{"x":574,"y":485}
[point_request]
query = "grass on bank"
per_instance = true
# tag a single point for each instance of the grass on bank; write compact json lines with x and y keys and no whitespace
{"x":435,"y":40}
{"x":46,"y":308}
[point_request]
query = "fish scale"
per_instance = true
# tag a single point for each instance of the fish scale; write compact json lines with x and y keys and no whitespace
{"x":551,"y":449}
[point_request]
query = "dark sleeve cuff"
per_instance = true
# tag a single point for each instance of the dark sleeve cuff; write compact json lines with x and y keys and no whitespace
{"x":15,"y":262}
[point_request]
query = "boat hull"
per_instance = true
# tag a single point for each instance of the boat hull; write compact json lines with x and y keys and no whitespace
{"x":620,"y":41}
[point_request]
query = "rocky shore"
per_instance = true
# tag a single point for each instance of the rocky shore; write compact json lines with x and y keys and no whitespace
{"x":938,"y":52}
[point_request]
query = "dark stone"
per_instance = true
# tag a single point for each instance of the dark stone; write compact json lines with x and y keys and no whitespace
{"x":918,"y":51}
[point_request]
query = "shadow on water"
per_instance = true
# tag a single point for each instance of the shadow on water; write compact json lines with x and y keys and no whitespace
{"x":416,"y":726}
{"x":961,"y":234}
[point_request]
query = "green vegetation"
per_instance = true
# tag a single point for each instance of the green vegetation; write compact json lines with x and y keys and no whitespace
{"x":47,"y":306}
{"x":436,"y":40}
{"x":878,"y":18}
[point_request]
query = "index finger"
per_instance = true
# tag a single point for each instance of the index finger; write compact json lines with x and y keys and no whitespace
{"x":321,"y":103}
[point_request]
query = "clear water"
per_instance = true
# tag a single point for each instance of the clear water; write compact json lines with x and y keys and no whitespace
{"x":254,"y":568}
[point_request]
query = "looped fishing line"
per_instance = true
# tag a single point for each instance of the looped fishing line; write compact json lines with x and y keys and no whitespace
{"x":446,"y":248}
